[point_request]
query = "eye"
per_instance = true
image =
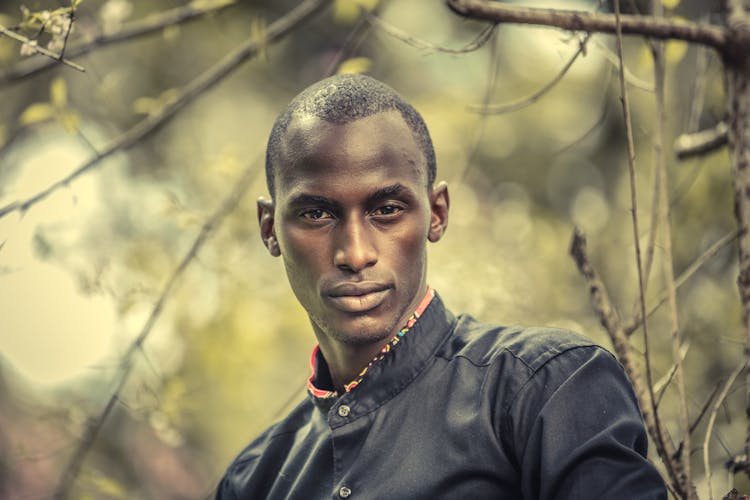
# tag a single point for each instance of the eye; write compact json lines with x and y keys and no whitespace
{"x":387,"y":210}
{"x":316,"y":214}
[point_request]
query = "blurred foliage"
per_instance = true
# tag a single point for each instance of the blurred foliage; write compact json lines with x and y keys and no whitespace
{"x":230,"y":352}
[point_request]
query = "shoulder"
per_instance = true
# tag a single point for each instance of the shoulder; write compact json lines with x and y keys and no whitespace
{"x":531,"y":347}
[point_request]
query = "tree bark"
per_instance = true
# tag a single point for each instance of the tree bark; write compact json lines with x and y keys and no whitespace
{"x":737,"y":64}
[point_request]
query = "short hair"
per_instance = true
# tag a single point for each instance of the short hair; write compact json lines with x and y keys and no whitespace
{"x":342,"y":99}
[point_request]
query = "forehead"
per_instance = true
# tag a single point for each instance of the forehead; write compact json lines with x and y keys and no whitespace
{"x":315,"y":152}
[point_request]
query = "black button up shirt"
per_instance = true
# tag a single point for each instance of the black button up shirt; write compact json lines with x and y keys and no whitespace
{"x":462,"y":410}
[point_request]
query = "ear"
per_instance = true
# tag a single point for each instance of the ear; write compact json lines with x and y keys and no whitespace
{"x":439,"y":205}
{"x":267,"y":229}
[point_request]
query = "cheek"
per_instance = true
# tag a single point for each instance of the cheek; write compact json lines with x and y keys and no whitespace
{"x":302,"y":254}
{"x":409,"y":247}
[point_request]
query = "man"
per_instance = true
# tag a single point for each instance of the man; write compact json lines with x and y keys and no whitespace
{"x":407,"y":401}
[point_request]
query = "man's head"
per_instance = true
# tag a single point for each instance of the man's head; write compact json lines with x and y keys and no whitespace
{"x":342,"y":99}
{"x":353,"y":205}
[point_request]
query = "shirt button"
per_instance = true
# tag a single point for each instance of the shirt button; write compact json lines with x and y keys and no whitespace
{"x":343,"y":412}
{"x":345,"y":492}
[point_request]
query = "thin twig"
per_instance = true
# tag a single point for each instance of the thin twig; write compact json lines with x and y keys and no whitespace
{"x":476,"y":142}
{"x":497,"y":109}
{"x":187,"y":94}
{"x":712,"y":420}
{"x":126,"y":364}
{"x":705,"y":407}
{"x":660,"y":439}
{"x":481,"y":39}
{"x":688,"y":273}
{"x":630,"y":78}
{"x":598,"y":123}
{"x":660,"y":386}
{"x":699,"y":89}
{"x":71,"y":471}
{"x":702,"y":142}
{"x":610,"y":320}
{"x":501,"y":12}
{"x":153,"y":23}
{"x":54,"y":56}
{"x":657,"y":50}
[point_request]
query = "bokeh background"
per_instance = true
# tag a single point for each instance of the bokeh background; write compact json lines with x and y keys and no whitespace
{"x":81,"y":270}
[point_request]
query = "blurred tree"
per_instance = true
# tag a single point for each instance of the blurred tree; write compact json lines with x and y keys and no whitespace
{"x":123,"y":122}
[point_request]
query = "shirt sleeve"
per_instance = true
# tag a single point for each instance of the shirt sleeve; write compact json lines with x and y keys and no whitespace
{"x":578,"y":432}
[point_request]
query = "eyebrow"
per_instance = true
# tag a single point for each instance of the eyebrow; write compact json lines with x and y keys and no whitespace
{"x":311,"y":199}
{"x":386,"y":192}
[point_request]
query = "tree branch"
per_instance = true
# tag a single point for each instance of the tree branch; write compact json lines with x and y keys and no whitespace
{"x":673,"y":465}
{"x":187,"y":94}
{"x":478,"y":42}
{"x":738,"y":109}
{"x":610,"y":320}
{"x":712,"y":419}
{"x":497,"y":12}
{"x":497,"y":109}
{"x":153,"y":23}
{"x":53,"y":58}
{"x":684,"y":277}
{"x":702,"y":142}
{"x":667,"y":263}
{"x":126,"y":364}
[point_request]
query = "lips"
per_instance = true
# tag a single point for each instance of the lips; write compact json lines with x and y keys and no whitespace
{"x":357,"y":297}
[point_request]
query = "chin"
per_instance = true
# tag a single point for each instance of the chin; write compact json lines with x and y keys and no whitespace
{"x":360,"y":330}
{"x":361,"y":333}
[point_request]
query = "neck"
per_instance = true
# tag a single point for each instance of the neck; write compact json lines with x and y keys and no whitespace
{"x":345,"y":361}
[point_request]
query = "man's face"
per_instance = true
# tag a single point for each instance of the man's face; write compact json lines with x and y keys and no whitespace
{"x":351,"y":218}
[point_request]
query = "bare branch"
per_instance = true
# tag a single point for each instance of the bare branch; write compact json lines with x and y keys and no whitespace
{"x":712,"y":420}
{"x":498,"y":12}
{"x":702,"y":142}
{"x":126,"y":364}
{"x":610,"y":320}
{"x":153,"y":23}
{"x":187,"y":94}
{"x":661,"y":442}
{"x":54,"y":57}
{"x":688,"y":273}
{"x":738,"y":108}
{"x":405,"y":37}
{"x":667,"y":262}
{"x":630,"y":78}
{"x":497,"y":109}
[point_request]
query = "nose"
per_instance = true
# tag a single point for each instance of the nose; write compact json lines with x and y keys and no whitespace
{"x":354,"y":249}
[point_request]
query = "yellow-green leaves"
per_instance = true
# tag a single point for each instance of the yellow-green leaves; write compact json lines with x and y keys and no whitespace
{"x":355,"y":65}
{"x":57,"y":108}
{"x":348,"y":11}
{"x":153,"y":105}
